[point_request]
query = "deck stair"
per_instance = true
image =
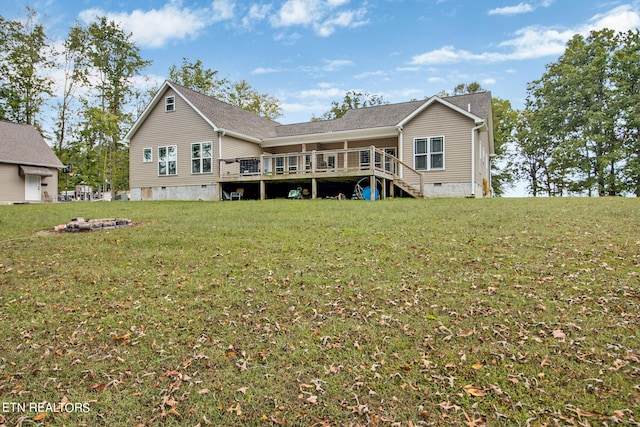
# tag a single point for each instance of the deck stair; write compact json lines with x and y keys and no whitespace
{"x":407,"y":188}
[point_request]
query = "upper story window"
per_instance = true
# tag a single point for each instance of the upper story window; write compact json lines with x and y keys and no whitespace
{"x":147,"y":155}
{"x":170,"y":103}
{"x":168,"y":160}
{"x":201,"y":157}
{"x":429,"y":153}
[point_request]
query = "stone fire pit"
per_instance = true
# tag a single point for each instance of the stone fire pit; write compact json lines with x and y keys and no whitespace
{"x":80,"y":224}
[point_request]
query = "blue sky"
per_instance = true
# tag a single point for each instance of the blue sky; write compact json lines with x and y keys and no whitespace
{"x":308,"y":53}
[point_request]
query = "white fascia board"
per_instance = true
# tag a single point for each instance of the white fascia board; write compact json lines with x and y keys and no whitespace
{"x":146,"y":112}
{"x":477,"y":120}
{"x":349,"y":135}
{"x":152,"y":105}
{"x":239,"y":135}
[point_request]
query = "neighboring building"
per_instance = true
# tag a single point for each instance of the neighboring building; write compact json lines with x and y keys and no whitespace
{"x":28,"y":166}
{"x":189,"y":146}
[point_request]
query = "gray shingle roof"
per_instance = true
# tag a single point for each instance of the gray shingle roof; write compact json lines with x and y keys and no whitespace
{"x":229,"y":117}
{"x":479,"y":104}
{"x":23,"y":144}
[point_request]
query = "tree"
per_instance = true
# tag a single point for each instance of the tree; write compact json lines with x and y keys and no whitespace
{"x":242,"y":95}
{"x":352,"y":100}
{"x":75,"y":75}
{"x":25,"y":58}
{"x":503,"y":167}
{"x":195,"y":77}
{"x":110,"y":61}
{"x":626,"y":78}
{"x":473,"y":87}
{"x":573,"y":104}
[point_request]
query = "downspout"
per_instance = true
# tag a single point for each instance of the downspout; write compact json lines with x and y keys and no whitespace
{"x":473,"y":157}
{"x":400,"y":149}
{"x":220,"y":135}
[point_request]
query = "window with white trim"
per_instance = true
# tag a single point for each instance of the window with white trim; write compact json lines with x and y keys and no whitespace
{"x":429,"y":153}
{"x":201,"y":157}
{"x":170,"y":103}
{"x":168,"y":160}
{"x":147,"y":155}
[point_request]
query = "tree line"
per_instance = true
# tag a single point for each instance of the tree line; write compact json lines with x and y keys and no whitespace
{"x":579,"y":132}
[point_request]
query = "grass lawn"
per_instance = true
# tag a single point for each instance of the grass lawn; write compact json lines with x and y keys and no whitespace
{"x":515,"y":312}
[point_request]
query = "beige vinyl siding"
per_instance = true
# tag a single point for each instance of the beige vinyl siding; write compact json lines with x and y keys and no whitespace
{"x":12,"y":188}
{"x":439,"y":120}
{"x":181,"y":128}
{"x":49,"y":184}
{"x":233,"y":148}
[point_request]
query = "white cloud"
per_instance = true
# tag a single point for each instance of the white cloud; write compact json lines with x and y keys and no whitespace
{"x":324,"y":16}
{"x":256,"y":14}
{"x":223,"y":10}
{"x":512,"y":10}
{"x":263,"y":70}
{"x":622,"y":18}
{"x":156,"y":27}
{"x":534,"y":41}
{"x":369,"y":74}
{"x":322,"y":93}
{"x":350,"y":18}
{"x":336,"y":64}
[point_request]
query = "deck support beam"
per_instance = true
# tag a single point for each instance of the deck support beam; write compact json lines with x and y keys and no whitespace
{"x":372,"y":188}
{"x":314,"y":188}
{"x":263,"y":190}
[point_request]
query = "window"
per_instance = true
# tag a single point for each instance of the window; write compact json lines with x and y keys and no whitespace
{"x":429,"y":153}
{"x":147,"y":155}
{"x":168,"y":160}
{"x":279,"y":164}
{"x":170,"y":103}
{"x":293,"y":163}
{"x":201,"y":157}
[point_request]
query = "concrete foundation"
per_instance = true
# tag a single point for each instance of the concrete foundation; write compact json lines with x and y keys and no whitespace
{"x":187,"y":192}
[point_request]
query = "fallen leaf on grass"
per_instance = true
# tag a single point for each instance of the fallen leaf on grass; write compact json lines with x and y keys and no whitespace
{"x":474,"y":391}
{"x":40,"y":416}
{"x":558,"y":333}
{"x":477,"y":366}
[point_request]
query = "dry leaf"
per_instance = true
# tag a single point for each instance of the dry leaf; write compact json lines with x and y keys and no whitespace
{"x":474,"y":391}
{"x":40,"y":416}
{"x":557,"y":333}
{"x":477,"y":366}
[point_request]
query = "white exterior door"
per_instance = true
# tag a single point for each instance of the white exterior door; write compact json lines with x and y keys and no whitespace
{"x":32,"y":188}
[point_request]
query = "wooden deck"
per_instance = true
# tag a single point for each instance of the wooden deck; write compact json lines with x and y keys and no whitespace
{"x":323,"y":165}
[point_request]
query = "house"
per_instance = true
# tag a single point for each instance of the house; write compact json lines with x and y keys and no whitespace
{"x":28,"y":166}
{"x":190,"y":146}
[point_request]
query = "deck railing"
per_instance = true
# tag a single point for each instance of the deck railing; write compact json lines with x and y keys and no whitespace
{"x":330,"y":161}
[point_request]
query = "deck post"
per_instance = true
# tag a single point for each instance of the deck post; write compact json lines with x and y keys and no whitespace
{"x":372,"y":188}
{"x":383,"y":195}
{"x":314,"y":161}
{"x":263,"y":190}
{"x":314,"y":188}
{"x":372,"y":158}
